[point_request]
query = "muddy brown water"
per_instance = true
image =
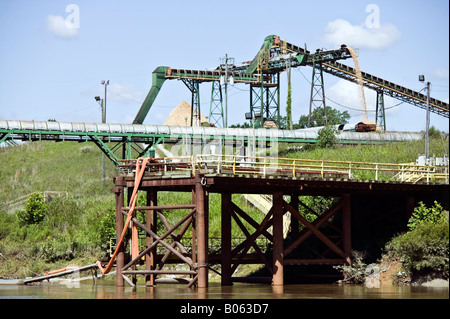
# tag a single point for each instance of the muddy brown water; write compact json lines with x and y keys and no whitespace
{"x":107,"y":290}
{"x":241,"y":300}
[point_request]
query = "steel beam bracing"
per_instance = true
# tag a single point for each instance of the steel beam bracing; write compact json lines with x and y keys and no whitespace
{"x":216,"y":117}
{"x":317,"y":99}
{"x":274,"y":57}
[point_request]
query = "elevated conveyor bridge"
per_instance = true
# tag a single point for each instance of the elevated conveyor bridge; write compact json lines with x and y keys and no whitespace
{"x":262,"y":74}
{"x":139,"y":138}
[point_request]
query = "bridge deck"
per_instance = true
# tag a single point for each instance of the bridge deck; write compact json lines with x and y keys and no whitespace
{"x":361,"y":212}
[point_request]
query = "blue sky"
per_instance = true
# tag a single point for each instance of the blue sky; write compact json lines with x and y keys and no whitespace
{"x":50,"y":71}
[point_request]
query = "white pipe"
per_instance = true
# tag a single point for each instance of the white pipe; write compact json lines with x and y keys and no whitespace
{"x":310,"y":133}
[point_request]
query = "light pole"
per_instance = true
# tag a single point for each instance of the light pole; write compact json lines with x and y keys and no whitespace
{"x":224,"y":81}
{"x":427,"y":124}
{"x":100,"y":101}
{"x":104,"y":108}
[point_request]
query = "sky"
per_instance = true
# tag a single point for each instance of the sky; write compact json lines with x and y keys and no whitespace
{"x":54,"y":54}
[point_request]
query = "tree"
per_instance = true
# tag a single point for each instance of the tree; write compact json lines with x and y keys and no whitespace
{"x":35,"y":210}
{"x":334,"y":117}
{"x":326,"y":137}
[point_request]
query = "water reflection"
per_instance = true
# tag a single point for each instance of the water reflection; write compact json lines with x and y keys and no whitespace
{"x":108,"y":290}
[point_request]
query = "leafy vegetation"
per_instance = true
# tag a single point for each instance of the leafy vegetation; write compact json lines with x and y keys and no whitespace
{"x":334,"y":117}
{"x":327,"y":137}
{"x":424,"y":250}
{"x":356,"y":272}
{"x":422,"y":214}
{"x":34,"y":211}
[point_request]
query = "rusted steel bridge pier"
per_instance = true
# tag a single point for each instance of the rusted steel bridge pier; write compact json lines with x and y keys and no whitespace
{"x":362,"y":211}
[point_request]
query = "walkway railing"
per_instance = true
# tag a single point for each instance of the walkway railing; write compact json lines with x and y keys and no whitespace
{"x":294,"y":168}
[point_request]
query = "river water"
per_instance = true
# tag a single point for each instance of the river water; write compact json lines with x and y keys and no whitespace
{"x":244,"y":301}
{"x":106,"y":289}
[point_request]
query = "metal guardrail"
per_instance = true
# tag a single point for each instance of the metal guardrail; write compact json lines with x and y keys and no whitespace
{"x":294,"y":168}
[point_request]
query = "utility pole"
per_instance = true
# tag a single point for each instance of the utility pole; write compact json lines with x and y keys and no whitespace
{"x":226,"y":96}
{"x":224,"y":81}
{"x":427,"y":136}
{"x":427,"y":124}
{"x":104,"y":109}
{"x":103,"y":105}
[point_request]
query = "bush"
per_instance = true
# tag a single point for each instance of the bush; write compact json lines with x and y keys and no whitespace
{"x":422,"y":214}
{"x":425,"y":249}
{"x":356,"y":272}
{"x":327,"y":137}
{"x":35,"y":210}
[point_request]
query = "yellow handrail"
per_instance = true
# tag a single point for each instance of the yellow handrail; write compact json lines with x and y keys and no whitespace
{"x":295,"y":167}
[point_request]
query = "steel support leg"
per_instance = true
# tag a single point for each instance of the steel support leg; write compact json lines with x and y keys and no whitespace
{"x":277,"y":276}
{"x":202,"y":235}
{"x":216,"y":108}
{"x":150,"y":258}
{"x":380,"y":118}
{"x":346,"y":228}
{"x":317,"y":98}
{"x":119,"y":194}
{"x":226,"y":239}
{"x":294,"y":221}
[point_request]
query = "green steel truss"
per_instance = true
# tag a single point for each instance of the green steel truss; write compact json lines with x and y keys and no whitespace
{"x":317,"y":98}
{"x":265,"y":98}
{"x":273,"y":57}
{"x":193,"y":86}
{"x":380,"y":118}
{"x":216,"y":106}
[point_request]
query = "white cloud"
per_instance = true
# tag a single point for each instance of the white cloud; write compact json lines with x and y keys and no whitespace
{"x":441,"y":73}
{"x":125,"y":93}
{"x":59,"y":27}
{"x":341,"y":31}
{"x":348,"y":94}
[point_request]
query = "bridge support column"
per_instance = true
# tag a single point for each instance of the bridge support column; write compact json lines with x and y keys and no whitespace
{"x":278,"y":274}
{"x":346,"y":228}
{"x":150,"y":258}
{"x":202,"y":233}
{"x":294,"y":221}
{"x":226,"y":240}
{"x":119,"y":194}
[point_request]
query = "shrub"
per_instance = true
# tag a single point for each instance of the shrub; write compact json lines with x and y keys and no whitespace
{"x":107,"y":228}
{"x":34,"y":211}
{"x":422,"y":214}
{"x":356,"y":272}
{"x":424,"y":250}
{"x":327,"y":137}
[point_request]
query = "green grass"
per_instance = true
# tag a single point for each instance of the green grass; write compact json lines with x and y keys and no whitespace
{"x":401,"y":152}
{"x":76,"y":228}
